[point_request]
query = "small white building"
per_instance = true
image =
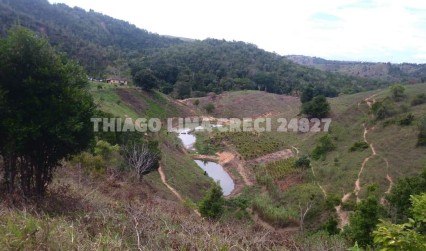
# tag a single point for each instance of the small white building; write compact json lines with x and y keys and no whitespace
{"x":116,"y":81}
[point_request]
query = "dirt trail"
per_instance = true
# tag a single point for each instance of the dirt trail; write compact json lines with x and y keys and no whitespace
{"x":346,"y":197}
{"x":389,"y":178}
{"x":343,"y":215}
{"x":370,"y":101}
{"x":357,"y":188}
{"x":297,"y":150}
{"x":283,"y":154}
{"x":176,"y":193}
{"x":255,"y":217}
{"x":163,"y":179}
{"x":244,"y":174}
{"x":322,"y":189}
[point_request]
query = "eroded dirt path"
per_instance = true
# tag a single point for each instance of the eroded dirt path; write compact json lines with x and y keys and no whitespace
{"x":163,"y":179}
{"x":370,"y":101}
{"x":255,"y":217}
{"x":297,"y":150}
{"x":389,"y":178}
{"x":343,"y":215}
{"x":176,"y":193}
{"x":283,"y":154}
{"x":228,"y":157}
{"x":357,"y":188}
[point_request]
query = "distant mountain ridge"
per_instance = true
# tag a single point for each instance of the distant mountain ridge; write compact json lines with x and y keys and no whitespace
{"x":405,"y":72}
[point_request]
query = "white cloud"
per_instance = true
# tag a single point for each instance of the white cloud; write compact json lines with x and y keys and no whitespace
{"x":375,"y":30}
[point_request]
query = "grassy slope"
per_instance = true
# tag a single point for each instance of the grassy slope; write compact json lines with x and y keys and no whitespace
{"x":339,"y":171}
{"x":181,"y":171}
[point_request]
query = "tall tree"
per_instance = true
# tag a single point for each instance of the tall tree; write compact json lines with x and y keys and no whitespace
{"x":318,"y":107}
{"x":145,"y":79}
{"x":397,"y":91}
{"x":47,"y":110}
{"x":211,"y":206}
{"x":365,"y":218}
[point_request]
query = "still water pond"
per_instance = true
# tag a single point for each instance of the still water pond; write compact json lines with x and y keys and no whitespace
{"x":213,"y":170}
{"x":217,"y":173}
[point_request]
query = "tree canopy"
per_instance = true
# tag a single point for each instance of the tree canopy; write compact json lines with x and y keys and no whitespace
{"x":318,"y":107}
{"x":46,"y":110}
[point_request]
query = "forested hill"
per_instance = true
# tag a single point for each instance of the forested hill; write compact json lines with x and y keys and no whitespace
{"x":105,"y":46}
{"x":218,"y":65}
{"x":406,"y":73}
{"x":95,"y":40}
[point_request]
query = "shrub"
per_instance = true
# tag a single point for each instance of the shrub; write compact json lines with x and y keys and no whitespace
{"x":397,"y":92}
{"x":331,"y":226}
{"x":359,"y":146}
{"x":318,"y":107}
{"x":209,"y":108}
{"x":92,"y":164}
{"x":325,"y":145}
{"x":408,"y":120}
{"x":303,"y":162}
{"x":211,"y":206}
{"x":419,"y":99}
{"x":407,"y":236}
{"x":277,"y":216}
{"x":196,"y":102}
{"x":384,"y":109}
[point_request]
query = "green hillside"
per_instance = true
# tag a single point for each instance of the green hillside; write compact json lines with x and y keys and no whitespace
{"x":352,"y":179}
{"x":107,"y":47}
{"x":98,"y":42}
{"x":194,"y":69}
{"x":404,"y":73}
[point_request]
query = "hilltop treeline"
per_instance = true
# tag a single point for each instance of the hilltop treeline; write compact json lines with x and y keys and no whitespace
{"x":105,"y":46}
{"x":100,"y":43}
{"x":404,"y":73}
{"x":193,"y":69}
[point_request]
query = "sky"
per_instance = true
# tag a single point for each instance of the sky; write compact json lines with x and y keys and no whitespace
{"x":359,"y":30}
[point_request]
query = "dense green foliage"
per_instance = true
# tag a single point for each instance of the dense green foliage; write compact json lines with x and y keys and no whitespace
{"x":325,"y":145}
{"x":277,"y":169}
{"x":303,"y":162}
{"x":384,"y":109}
{"x":216,"y":66}
{"x":211,"y":206}
{"x":144,"y":79}
{"x":275,"y":215}
{"x":244,"y":142}
{"x":46,"y":113}
{"x":104,"y":46}
{"x":397,"y":91}
{"x":419,"y":99}
{"x":365,"y":218}
{"x":399,"y":196}
{"x":318,"y":107}
{"x":407,"y":236}
{"x":359,"y":146}
{"x":100,"y":43}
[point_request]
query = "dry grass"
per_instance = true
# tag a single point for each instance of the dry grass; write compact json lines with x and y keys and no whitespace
{"x":247,"y":104}
{"x":86,"y":213}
